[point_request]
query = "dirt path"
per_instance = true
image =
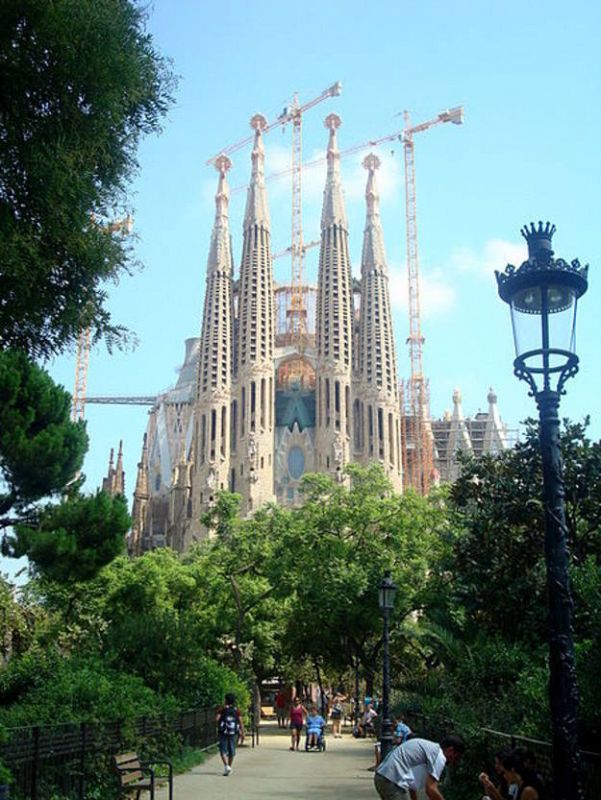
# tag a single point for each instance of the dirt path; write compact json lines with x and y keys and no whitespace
{"x":272,"y":771}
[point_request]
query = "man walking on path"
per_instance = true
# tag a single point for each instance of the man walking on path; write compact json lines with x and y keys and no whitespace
{"x":231,"y":729}
{"x":416,"y":764}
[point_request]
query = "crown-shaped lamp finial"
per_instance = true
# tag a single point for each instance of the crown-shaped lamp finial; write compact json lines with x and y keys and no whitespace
{"x":539,"y":239}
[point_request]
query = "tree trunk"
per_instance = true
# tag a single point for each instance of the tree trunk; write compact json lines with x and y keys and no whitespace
{"x":369,"y":682}
{"x":256,"y":701}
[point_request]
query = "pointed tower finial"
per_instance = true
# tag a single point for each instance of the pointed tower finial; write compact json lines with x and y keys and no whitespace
{"x":333,"y":212}
{"x":119,"y":482}
{"x":256,"y":199}
{"x":219,"y":252}
{"x":223,"y":166}
{"x":371,"y":163}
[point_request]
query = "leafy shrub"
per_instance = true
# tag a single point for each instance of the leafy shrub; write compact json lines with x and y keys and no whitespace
{"x":81,"y":689}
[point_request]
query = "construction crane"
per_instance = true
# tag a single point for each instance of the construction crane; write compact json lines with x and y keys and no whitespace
{"x":417,"y":447}
{"x":296,"y":313}
{"x":288,"y":250}
{"x":417,"y":441}
{"x":287,"y":115}
{"x":82,"y":356}
{"x":316,"y":162}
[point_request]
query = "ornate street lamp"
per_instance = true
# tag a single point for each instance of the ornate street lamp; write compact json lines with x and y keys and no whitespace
{"x":543,"y":294}
{"x":386,"y":595}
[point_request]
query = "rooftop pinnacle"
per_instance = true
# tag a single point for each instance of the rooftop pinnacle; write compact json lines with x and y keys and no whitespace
{"x":257,"y":212}
{"x":374,"y":252}
{"x":219,"y":251}
{"x":333,"y":212}
{"x":222,"y":198}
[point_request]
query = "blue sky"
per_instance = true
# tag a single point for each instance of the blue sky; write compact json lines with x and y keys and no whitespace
{"x":529,"y":77}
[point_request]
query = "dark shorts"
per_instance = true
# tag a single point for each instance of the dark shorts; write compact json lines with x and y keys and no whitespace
{"x":387,"y":789}
{"x":296,"y":726}
{"x":227,"y":744}
{"x":336,"y":714}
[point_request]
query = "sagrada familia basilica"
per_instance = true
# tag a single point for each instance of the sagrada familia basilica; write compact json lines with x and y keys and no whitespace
{"x":254,"y":407}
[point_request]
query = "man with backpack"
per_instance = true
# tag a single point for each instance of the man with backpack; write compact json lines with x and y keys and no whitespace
{"x":231,"y":729}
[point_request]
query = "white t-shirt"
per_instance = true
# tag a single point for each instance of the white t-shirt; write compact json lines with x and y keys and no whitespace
{"x":409,"y":764}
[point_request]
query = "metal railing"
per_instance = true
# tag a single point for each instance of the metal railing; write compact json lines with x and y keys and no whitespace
{"x":73,"y":760}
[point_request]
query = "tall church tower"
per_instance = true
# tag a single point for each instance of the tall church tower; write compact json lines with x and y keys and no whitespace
{"x":252,"y":441}
{"x":334,"y":326}
{"x":376,"y":419}
{"x":213,"y":395}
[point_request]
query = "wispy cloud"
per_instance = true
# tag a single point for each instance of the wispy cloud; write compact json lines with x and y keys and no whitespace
{"x":437,"y":296}
{"x":494,"y":254}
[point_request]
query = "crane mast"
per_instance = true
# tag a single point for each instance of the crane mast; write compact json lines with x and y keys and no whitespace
{"x":418,"y":459}
{"x":82,"y":355}
{"x":82,"y":359}
{"x":297,"y":313}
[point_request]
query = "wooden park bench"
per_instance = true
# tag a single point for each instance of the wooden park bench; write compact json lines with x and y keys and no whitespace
{"x":137,"y":776}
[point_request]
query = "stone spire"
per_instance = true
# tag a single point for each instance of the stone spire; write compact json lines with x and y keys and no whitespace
{"x":139,"y":512}
{"x":252,"y":410}
{"x":257,"y":211}
{"x":211,"y":441}
{"x":334,"y":322}
{"x":107,"y":483}
{"x":376,"y":419}
{"x":333,"y":211}
{"x":119,"y":482}
{"x":495,"y":435}
{"x":459,"y":438}
{"x":114,"y":483}
{"x":180,"y":510}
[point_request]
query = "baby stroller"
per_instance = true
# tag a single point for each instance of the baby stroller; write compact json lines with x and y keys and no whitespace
{"x":321,"y":741}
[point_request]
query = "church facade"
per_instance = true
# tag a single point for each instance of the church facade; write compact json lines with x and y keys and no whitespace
{"x":262,"y":399}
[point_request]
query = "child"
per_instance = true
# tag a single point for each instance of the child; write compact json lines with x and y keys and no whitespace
{"x":315,"y":726}
{"x":230,"y":730}
{"x":402,"y":731}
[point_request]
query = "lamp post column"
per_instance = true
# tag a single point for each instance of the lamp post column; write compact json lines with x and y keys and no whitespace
{"x":386,"y":730}
{"x":563,"y":687}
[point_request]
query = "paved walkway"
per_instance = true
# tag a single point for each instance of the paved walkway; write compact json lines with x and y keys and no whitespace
{"x":272,"y":771}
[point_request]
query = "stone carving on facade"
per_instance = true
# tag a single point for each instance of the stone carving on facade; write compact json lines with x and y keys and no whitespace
{"x":211,"y":480}
{"x":338,"y":448}
{"x":252,"y":458}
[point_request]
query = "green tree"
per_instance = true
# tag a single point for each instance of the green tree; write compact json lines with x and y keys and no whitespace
{"x":80,"y":83}
{"x":41,"y":450}
{"x":485,"y":620}
{"x":336,"y":550}
{"x":72,"y":541}
{"x":245,"y":613}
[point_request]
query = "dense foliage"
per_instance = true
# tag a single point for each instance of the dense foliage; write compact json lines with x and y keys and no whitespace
{"x":80,"y":83}
{"x":486,"y":626}
{"x":292,"y":593}
{"x":42,"y":514}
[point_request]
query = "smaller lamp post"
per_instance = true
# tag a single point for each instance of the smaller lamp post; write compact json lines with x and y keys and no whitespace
{"x":543,"y":294}
{"x":386,"y":595}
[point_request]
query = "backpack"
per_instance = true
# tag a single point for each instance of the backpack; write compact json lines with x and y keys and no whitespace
{"x":228,"y":721}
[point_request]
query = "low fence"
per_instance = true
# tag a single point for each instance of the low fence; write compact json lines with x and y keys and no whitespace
{"x":73,"y":761}
{"x":491,"y":741}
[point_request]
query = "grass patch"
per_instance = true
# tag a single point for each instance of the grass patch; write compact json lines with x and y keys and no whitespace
{"x":189,"y":757}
